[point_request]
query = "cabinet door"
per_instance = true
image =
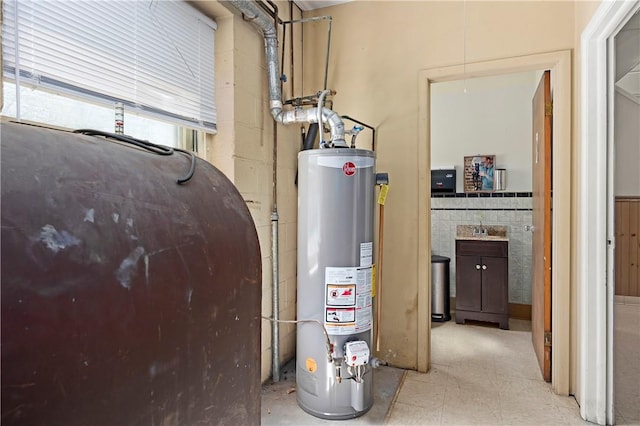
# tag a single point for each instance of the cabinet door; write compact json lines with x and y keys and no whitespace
{"x":468,"y":285}
{"x":495,"y":279}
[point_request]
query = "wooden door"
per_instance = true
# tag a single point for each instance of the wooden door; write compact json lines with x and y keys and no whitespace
{"x":541,"y":247}
{"x":627,"y":252}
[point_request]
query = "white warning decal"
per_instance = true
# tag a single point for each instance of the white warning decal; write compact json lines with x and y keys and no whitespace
{"x":341,"y":295}
{"x":347,"y":300}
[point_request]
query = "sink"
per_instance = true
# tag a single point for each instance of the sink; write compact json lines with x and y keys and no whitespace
{"x":481,"y":232}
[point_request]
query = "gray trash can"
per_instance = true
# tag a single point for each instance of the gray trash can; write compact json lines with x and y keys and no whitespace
{"x":440,"y":310}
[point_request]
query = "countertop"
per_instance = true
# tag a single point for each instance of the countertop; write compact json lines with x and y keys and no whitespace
{"x":484,"y":238}
{"x":494,"y":233}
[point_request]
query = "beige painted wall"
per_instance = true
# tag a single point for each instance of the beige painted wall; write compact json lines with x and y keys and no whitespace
{"x":378,"y":50}
{"x":243,"y":150}
{"x":489,"y":115}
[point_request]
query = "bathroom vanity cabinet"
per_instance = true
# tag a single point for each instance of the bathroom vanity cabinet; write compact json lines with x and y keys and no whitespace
{"x":482,"y":281}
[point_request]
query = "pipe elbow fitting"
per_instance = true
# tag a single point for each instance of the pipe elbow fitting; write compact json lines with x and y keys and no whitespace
{"x":289,"y":116}
{"x":310,"y":115}
{"x":336,"y":125}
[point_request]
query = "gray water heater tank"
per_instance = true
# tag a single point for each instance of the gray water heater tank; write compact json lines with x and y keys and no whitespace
{"x":335,"y":258}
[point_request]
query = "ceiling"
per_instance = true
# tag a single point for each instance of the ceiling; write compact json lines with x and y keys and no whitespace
{"x":628,"y":59}
{"x":318,"y":4}
{"x":630,"y":83}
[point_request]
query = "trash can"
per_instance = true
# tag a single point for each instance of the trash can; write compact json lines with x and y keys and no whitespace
{"x":440,"y":310}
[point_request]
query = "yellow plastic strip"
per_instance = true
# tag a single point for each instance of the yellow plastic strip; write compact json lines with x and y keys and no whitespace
{"x":373,"y":280}
{"x":382,"y":197}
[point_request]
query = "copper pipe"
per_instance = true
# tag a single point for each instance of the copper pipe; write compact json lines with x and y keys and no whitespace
{"x":379,"y":276}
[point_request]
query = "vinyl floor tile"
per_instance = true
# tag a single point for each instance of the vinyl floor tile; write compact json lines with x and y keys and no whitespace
{"x":480,"y":375}
{"x":491,"y":377}
{"x":406,"y":414}
{"x":627,"y":362}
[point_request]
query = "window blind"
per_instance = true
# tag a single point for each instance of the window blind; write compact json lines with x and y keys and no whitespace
{"x":154,"y":56}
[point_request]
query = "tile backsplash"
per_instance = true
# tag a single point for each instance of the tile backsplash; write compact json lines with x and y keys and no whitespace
{"x":511,"y":209}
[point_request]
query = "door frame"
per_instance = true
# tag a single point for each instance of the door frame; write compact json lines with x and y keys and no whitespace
{"x":559,"y":63}
{"x":541,"y":174}
{"x":595,"y":239}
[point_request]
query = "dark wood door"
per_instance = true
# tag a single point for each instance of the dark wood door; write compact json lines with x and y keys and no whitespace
{"x":469,"y":289}
{"x":541,"y":247}
{"x":627,"y":252}
{"x":495,"y":279}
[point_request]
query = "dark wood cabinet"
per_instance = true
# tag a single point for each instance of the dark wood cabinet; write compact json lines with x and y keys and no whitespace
{"x":482,"y":281}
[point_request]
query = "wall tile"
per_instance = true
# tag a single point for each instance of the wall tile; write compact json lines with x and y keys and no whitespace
{"x":524,"y":203}
{"x":491,"y":217}
{"x":443,"y":232}
{"x":504,"y":217}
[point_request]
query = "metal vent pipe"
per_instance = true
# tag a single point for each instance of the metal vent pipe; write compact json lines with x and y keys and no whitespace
{"x":254,"y":13}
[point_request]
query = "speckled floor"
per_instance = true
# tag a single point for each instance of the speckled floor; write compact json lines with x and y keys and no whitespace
{"x":480,"y":375}
{"x":627,"y":360}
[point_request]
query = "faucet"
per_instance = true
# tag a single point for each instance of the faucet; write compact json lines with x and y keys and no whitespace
{"x":480,"y":231}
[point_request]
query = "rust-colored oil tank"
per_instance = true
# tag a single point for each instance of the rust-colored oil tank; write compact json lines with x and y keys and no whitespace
{"x":127,"y":299}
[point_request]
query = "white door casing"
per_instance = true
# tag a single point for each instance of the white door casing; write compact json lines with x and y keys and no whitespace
{"x":559,"y":62}
{"x":595,"y":197}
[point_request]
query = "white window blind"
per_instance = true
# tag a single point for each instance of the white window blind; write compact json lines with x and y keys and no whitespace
{"x":154,"y":56}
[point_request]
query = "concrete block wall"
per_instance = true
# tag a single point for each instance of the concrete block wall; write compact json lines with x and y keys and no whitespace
{"x":513,"y":211}
{"x":243,"y":150}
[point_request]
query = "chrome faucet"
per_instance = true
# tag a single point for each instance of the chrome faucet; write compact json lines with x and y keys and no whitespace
{"x":480,"y":231}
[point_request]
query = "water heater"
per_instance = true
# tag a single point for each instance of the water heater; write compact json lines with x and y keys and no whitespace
{"x":335,"y":262}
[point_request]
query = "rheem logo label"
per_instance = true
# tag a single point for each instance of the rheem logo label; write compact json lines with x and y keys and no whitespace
{"x":349,"y":168}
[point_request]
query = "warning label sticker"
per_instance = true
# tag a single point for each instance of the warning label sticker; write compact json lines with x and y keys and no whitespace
{"x":341,"y":295}
{"x":341,"y":315}
{"x":348,"y":300}
{"x":366,"y":254}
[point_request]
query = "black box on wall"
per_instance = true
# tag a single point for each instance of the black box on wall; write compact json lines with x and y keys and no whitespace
{"x":443,"y":181}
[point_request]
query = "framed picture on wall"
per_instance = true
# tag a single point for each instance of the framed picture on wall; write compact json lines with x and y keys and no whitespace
{"x":478,"y":173}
